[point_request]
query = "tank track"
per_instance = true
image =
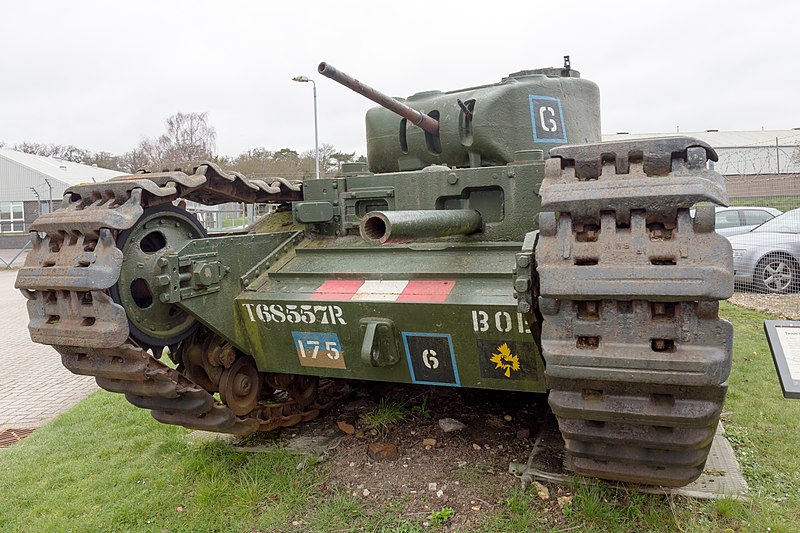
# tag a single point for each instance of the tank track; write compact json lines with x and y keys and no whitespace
{"x":636,"y":354}
{"x":73,"y":263}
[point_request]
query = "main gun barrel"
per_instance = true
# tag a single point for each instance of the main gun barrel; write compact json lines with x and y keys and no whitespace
{"x":381,"y":227}
{"x":418,"y":118}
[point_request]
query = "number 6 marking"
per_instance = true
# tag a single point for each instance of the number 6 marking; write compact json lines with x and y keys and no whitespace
{"x":430,"y":360}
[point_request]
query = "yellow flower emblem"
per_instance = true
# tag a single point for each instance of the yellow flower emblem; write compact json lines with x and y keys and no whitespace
{"x":505,"y":360}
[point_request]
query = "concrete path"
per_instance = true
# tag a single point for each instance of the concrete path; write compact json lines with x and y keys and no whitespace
{"x":14,"y":258}
{"x":34,"y":386}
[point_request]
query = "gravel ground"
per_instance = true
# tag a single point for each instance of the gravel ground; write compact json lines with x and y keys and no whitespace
{"x":784,"y":305}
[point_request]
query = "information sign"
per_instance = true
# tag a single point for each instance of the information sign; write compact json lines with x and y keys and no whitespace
{"x":784,"y":341}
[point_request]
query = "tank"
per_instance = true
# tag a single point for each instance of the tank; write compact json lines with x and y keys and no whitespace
{"x":492,"y":242}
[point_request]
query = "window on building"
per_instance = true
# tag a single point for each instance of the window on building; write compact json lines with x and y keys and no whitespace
{"x":11,"y":217}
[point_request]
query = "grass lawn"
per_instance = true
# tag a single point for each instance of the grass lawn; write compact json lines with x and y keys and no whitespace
{"x":784,"y":203}
{"x":105,"y":465}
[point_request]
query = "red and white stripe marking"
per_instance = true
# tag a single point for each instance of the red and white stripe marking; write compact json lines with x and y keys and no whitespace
{"x":384,"y":290}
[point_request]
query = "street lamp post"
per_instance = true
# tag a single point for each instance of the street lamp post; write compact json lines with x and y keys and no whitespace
{"x":305,"y":79}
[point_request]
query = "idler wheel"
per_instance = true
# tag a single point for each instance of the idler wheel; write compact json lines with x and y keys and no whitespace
{"x":240,"y":386}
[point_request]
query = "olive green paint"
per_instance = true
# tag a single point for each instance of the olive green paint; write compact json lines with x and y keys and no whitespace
{"x":485,"y":165}
{"x":239,"y":254}
{"x":482,"y":275}
{"x":501,"y":122}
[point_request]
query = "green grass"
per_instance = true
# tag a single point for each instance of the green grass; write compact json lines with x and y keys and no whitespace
{"x":440,"y":516}
{"x":784,"y":203}
{"x":106,"y":466}
{"x":234,"y":222}
{"x":384,"y":415}
{"x":422,"y":409}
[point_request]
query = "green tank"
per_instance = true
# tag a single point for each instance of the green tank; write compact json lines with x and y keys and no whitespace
{"x":492,"y":242}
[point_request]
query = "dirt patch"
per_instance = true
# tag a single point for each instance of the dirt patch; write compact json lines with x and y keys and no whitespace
{"x":786,"y":306}
{"x":464,"y":470}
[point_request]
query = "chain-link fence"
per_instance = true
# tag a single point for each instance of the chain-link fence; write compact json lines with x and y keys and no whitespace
{"x":19,"y":206}
{"x":763,"y":223}
{"x":228,"y":217}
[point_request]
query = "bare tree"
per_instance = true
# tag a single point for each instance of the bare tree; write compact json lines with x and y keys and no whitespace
{"x":189,"y":137}
{"x":287,"y":163}
{"x":147,"y":152}
{"x":253,"y":162}
{"x":330,"y":159}
{"x":260,"y":162}
{"x":67,"y":152}
{"x":106,"y":160}
{"x":33,"y":148}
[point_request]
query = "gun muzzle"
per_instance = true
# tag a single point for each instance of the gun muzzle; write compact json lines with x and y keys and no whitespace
{"x":381,"y":227}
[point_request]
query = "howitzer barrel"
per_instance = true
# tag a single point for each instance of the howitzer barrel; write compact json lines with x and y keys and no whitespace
{"x":381,"y":227}
{"x":418,"y":118}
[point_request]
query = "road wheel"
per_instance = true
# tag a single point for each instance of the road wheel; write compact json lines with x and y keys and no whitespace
{"x":240,"y":386}
{"x":776,"y":274}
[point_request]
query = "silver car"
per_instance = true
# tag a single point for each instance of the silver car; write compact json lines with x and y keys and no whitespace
{"x":767,"y":258}
{"x":739,"y":219}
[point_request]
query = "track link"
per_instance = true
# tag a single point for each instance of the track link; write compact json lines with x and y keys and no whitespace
{"x":75,"y":261}
{"x":636,"y":354}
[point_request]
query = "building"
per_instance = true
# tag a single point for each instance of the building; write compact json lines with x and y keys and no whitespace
{"x":31,"y":185}
{"x":756,"y":164}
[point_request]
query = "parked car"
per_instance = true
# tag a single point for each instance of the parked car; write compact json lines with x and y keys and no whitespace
{"x":767,"y":258}
{"x":736,"y":220}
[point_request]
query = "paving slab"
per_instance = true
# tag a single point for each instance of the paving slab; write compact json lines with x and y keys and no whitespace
{"x":721,"y":478}
{"x":34,"y":386}
{"x":12,"y":258}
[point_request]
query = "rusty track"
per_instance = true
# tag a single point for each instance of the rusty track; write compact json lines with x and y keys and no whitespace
{"x":629,"y":283}
{"x":637,"y":356}
{"x":75,"y":261}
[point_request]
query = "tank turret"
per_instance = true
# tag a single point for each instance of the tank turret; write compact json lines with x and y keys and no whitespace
{"x":479,"y":126}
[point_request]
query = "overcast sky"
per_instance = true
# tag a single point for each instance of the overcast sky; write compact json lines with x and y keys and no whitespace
{"x":104,"y":75}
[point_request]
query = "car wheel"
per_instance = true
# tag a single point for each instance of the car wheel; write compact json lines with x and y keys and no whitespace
{"x":776,"y":274}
